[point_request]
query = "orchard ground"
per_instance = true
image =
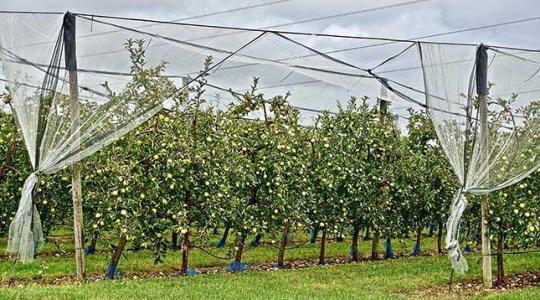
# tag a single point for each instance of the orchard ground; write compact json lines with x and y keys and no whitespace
{"x":51,"y":275}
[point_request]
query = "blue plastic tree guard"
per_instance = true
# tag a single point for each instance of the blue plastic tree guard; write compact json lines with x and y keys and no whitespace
{"x":191,"y":272}
{"x":416,"y":250}
{"x":388,"y":251}
{"x":111,"y":270}
{"x":256,"y":240}
{"x":237,"y":266}
{"x":221,"y":243}
{"x":313,"y":238}
{"x":89,"y":250}
{"x":432,"y":229}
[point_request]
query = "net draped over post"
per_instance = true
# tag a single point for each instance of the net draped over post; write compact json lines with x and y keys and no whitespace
{"x":319,"y":71}
{"x":508,"y":151}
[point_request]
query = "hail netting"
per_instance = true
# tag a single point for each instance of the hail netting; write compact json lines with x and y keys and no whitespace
{"x":318,"y":70}
{"x":505,"y":150}
{"x":112,"y":102}
{"x":34,"y":66}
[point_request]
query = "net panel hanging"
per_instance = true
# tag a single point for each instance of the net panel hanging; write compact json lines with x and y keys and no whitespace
{"x":318,"y":70}
{"x":491,"y":152}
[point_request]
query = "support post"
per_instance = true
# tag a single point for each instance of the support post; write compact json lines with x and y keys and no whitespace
{"x":500,"y":261}
{"x":71,"y":67}
{"x":482,"y":92}
{"x":383,"y":103}
{"x":383,"y":110}
{"x":185,"y":84}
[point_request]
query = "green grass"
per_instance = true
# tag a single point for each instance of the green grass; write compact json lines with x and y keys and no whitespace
{"x":529,"y":293}
{"x":388,"y":279}
{"x":382,"y":279}
{"x":142,"y":261}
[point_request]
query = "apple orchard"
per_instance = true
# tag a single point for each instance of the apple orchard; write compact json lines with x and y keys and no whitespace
{"x":195,"y":167}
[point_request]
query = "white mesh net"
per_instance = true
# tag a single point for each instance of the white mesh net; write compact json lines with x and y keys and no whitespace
{"x":65,"y":120}
{"x":491,"y":145}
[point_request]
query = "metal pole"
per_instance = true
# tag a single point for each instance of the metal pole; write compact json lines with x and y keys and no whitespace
{"x":482,"y":92}
{"x":71,"y":66}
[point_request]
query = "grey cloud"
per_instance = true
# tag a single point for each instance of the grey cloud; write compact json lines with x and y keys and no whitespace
{"x":399,"y":22}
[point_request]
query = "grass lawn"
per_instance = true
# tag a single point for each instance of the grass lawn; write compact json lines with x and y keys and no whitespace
{"x":142,"y":261}
{"x":388,"y":279}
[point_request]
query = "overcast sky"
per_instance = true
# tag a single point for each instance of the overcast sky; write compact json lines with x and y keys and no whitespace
{"x":406,"y":21}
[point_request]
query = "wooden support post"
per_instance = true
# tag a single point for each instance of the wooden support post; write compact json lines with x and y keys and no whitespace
{"x":482,"y":91}
{"x":500,"y":261}
{"x":383,"y":104}
{"x":185,"y":85}
{"x":71,"y":66}
{"x":383,"y":111}
{"x":486,"y":247}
